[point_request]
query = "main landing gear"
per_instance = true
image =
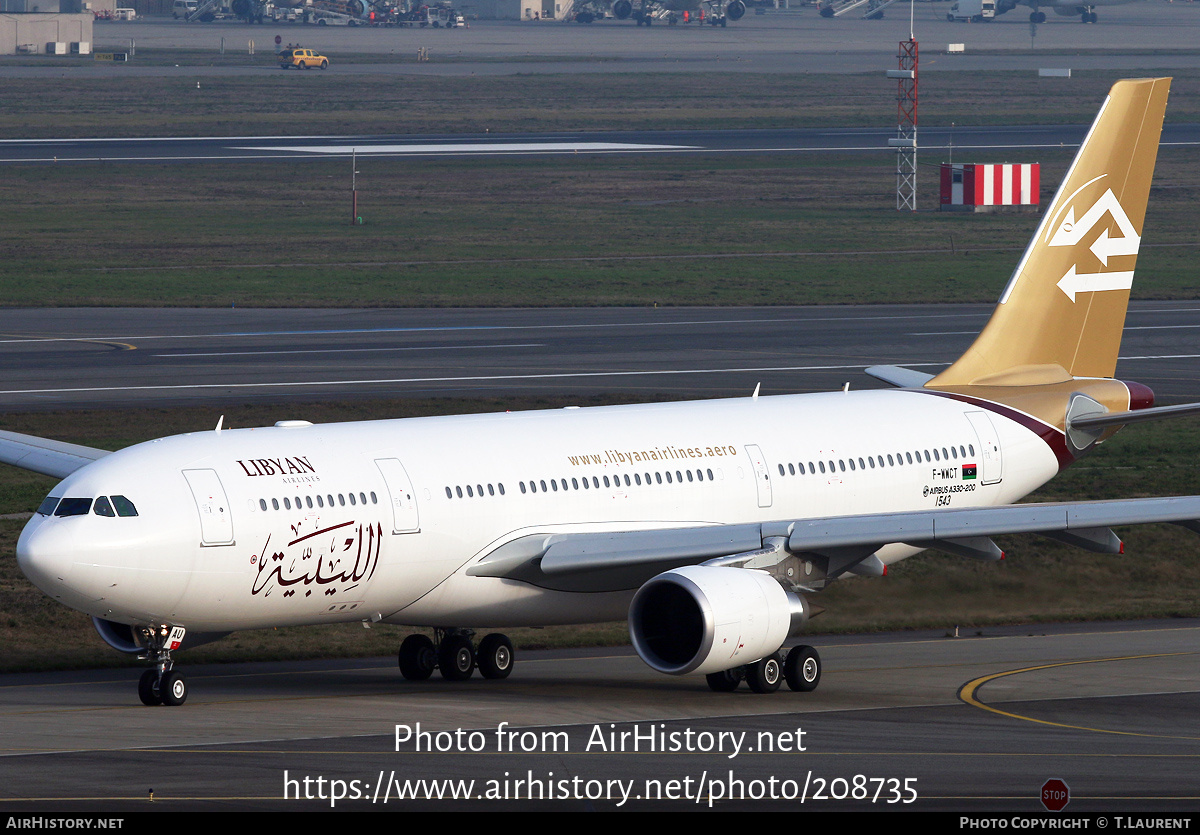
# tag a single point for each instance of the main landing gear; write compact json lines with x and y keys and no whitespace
{"x":800,"y":668}
{"x":455,"y":656}
{"x":162,"y":685}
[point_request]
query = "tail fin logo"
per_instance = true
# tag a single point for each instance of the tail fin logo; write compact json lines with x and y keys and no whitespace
{"x":1071,"y":232}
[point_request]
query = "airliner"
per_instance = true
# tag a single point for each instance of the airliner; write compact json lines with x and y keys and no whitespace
{"x":708,"y":525}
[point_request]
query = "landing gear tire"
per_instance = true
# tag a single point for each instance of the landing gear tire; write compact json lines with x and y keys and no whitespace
{"x":173,"y":689}
{"x":456,"y":658}
{"x":802,"y":669}
{"x":495,"y":656}
{"x":725,"y":681}
{"x":148,"y":689}
{"x":765,"y":676}
{"x":417,"y":658}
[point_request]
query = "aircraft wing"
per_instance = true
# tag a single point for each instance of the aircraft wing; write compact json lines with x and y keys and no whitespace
{"x":624,"y":560}
{"x":42,"y":455}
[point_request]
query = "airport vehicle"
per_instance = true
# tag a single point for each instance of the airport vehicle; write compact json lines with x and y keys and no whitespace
{"x":708,"y":524}
{"x":183,"y":8}
{"x":974,"y":11}
{"x":302,"y":59}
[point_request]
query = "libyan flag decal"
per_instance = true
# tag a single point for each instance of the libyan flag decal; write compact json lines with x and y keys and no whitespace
{"x":968,"y":471}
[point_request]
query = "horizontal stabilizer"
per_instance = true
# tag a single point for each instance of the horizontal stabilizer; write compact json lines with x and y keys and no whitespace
{"x":42,"y":455}
{"x":1106,"y":419}
{"x":905,"y":378}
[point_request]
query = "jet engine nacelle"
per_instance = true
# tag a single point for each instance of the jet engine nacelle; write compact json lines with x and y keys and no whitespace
{"x":704,"y":619}
{"x":123,"y":638}
{"x":736,"y":10}
{"x":622,"y":9}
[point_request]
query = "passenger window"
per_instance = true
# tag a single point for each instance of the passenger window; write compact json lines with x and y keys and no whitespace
{"x":262,"y":503}
{"x":710,"y":475}
{"x":287,"y":503}
{"x":501,"y":486}
{"x":103,"y":507}
{"x":275,"y":503}
{"x":449,"y":495}
{"x":308,"y":501}
{"x":320,"y":501}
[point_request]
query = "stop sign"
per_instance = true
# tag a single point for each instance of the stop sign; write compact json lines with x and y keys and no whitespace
{"x":1055,"y":795}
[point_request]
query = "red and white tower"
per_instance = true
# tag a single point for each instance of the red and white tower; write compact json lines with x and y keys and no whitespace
{"x":905,"y":142}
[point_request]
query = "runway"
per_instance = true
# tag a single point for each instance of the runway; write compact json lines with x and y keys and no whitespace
{"x":779,"y":141}
{"x":1107,"y":708}
{"x":82,"y":358}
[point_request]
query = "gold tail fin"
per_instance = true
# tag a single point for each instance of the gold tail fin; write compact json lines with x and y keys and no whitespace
{"x":1063,"y":311}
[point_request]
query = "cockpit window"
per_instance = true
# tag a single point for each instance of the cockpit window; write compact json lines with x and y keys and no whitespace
{"x":123,"y":506}
{"x":103,"y":507}
{"x":46,"y":508}
{"x":73,"y":507}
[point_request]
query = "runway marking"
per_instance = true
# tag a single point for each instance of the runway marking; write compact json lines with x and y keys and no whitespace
{"x":967,"y":694}
{"x":464,"y":379}
{"x":468,"y":148}
{"x":356,"y":350}
{"x":574,"y":326}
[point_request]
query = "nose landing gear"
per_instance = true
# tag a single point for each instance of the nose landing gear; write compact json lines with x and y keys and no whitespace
{"x":162,"y":685}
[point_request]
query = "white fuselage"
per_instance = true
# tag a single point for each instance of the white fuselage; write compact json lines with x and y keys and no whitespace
{"x":249,"y":528}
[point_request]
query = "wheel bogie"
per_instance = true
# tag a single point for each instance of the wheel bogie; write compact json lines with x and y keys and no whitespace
{"x":495,"y":656}
{"x":726,"y":681}
{"x":802,"y":669}
{"x":148,"y":689}
{"x":456,"y":658}
{"x":172,"y":687}
{"x":417,"y":658}
{"x":765,"y":675}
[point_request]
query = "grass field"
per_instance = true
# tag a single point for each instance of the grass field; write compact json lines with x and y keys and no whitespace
{"x":598,"y":231}
{"x":724,"y":230}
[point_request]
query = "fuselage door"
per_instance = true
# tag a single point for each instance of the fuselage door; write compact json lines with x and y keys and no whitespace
{"x":216,"y":522}
{"x":991,"y":462}
{"x":762,"y":476}
{"x":405,"y":518}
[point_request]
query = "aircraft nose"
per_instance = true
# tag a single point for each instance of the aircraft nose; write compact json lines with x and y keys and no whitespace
{"x":45,"y":553}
